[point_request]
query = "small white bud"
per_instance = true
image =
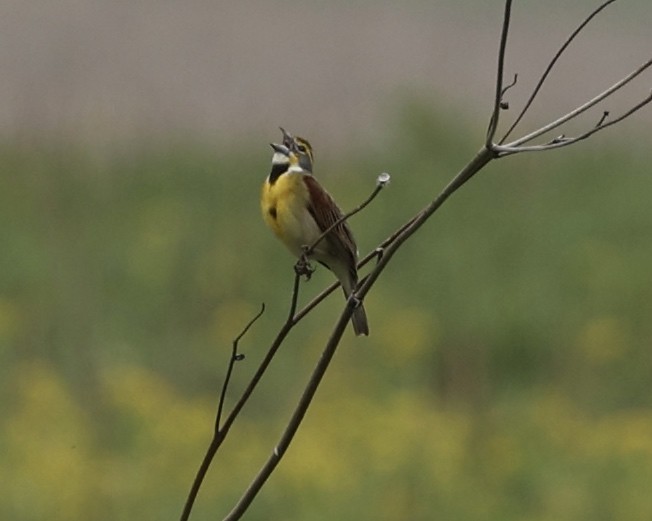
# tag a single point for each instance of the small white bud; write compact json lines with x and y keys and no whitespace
{"x":383,"y":179}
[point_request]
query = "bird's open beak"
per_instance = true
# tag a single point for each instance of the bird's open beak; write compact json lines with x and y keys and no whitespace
{"x":287,"y":137}
{"x":281,"y":149}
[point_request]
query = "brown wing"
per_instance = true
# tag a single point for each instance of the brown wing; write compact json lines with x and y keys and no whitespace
{"x":326,"y":213}
{"x":341,"y":245}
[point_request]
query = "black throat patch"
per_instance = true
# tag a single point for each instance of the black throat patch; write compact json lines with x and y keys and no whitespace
{"x":277,"y":171}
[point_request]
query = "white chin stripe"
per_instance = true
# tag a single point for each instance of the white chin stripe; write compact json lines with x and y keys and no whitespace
{"x":280,"y":159}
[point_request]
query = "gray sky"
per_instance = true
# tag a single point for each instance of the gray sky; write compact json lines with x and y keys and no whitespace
{"x":219,"y":70}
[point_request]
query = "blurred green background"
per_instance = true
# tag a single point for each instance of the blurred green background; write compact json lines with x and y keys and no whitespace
{"x":507,"y":375}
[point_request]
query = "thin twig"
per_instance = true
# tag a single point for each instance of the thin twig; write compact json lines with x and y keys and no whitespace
{"x":302,"y":267}
{"x":374,"y":254}
{"x":217,"y":439}
{"x":602,"y":119}
{"x":316,"y":300}
{"x":550,"y":67}
{"x":563,"y":141}
{"x":235,"y":357}
{"x":481,"y":159}
{"x":380,"y":184}
{"x":264,"y":364}
{"x":579,"y":110}
{"x":220,"y":435}
{"x":221,"y":431}
{"x":493,"y":121}
{"x":295,"y":297}
{"x":292,"y":319}
{"x":299,"y":412}
{"x":385,"y":253}
{"x":503,"y":104}
{"x":489,"y":152}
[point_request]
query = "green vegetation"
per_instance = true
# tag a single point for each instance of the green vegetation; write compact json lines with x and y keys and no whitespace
{"x":506,"y":377}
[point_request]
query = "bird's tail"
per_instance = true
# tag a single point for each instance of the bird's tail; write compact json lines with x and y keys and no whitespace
{"x":359,"y":317}
{"x":359,"y":321}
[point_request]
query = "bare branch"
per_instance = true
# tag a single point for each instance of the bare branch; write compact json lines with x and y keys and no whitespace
{"x":293,"y":425}
{"x":504,"y":105}
{"x":318,"y":373}
{"x":381,"y":182}
{"x":493,"y":121}
{"x":293,"y":318}
{"x":551,"y":65}
{"x":563,"y":141}
{"x":576,"y":112}
{"x":278,"y":341}
{"x":385,"y":252}
{"x":481,"y":159}
{"x":216,"y":441}
{"x":220,"y":434}
{"x":374,"y":254}
{"x":604,"y":117}
{"x":235,"y":357}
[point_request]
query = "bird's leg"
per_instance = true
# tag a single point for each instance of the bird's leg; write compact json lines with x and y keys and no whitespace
{"x":303,"y":267}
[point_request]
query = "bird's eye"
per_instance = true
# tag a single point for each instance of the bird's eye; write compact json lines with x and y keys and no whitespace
{"x":302,"y":148}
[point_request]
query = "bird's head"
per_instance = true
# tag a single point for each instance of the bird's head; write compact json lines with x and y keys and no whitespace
{"x":301,"y":148}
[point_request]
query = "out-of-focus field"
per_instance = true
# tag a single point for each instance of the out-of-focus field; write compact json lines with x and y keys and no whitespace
{"x":509,"y":360}
{"x":507,"y":375}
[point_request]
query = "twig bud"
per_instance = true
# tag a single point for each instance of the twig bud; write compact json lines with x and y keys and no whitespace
{"x":383,"y":179}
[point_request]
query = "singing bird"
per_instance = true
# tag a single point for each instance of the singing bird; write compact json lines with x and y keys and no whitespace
{"x":298,"y":210}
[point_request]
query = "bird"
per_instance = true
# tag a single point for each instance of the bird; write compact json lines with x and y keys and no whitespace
{"x":299,"y":210}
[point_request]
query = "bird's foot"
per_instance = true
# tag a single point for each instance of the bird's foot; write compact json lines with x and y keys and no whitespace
{"x":303,"y":267}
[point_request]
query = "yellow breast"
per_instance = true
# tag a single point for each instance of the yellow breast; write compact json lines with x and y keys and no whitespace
{"x":285,"y":210}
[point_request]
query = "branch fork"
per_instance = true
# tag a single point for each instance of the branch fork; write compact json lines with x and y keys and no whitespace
{"x":491,"y":149}
{"x":500,"y":148}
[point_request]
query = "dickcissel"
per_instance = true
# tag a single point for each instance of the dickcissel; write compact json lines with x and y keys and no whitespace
{"x":298,"y":210}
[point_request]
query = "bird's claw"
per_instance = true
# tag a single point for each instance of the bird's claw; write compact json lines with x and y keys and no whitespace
{"x":303,"y":267}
